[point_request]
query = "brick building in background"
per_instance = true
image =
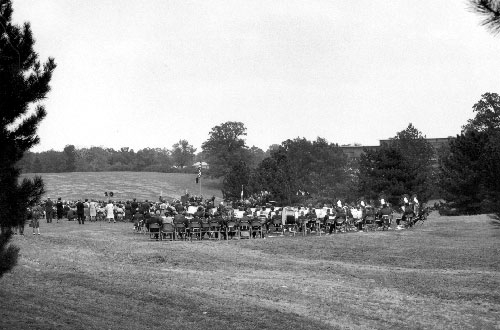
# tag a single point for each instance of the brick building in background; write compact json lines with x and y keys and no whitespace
{"x":355,"y":151}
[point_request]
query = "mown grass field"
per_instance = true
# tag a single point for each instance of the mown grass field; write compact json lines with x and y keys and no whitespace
{"x":444,"y":275}
{"x":126,"y":185}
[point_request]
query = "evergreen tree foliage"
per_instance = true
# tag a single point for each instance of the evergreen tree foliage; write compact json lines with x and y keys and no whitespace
{"x":470,"y":168}
{"x":402,"y":166}
{"x":490,"y":10}
{"x":24,"y":82}
{"x":383,"y":172}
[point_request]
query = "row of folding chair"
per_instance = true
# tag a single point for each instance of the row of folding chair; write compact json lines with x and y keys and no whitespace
{"x":213,"y":230}
{"x":179,"y":231}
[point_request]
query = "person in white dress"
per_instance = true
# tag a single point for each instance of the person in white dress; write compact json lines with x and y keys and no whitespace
{"x":93,"y":210}
{"x":110,"y":215}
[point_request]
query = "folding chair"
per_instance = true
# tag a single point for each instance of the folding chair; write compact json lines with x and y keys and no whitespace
{"x":408,"y":222}
{"x":256,"y":228}
{"x":340,"y":224}
{"x":303,"y":226}
{"x":244,"y":229}
{"x":350,"y":224}
{"x":180,"y":230}
{"x":386,"y":221}
{"x":232,"y":229}
{"x":370,"y":223}
{"x":214,"y":230}
{"x":154,"y":230}
{"x":328,"y":223}
{"x":276,"y":227}
{"x":167,"y":230}
{"x":194,"y":230}
{"x":205,"y":229}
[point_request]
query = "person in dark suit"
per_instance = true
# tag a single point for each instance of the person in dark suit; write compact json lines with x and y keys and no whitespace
{"x":49,"y":210}
{"x":59,"y":209}
{"x":80,"y":212}
{"x":145,"y":206}
{"x":134,"y":206}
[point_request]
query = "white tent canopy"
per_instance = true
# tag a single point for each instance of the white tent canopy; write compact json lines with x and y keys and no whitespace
{"x":202,"y":164}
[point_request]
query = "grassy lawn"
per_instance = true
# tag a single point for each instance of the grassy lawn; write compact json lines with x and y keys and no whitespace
{"x":444,"y":275}
{"x":126,"y":185}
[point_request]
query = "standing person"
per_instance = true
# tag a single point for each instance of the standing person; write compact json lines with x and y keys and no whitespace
{"x":86,"y":209}
{"x":59,"y":209}
{"x":145,"y":207}
{"x":35,"y":220}
{"x":119,"y":212}
{"x":92,"y":210}
{"x":80,"y":212}
{"x":110,"y":209}
{"x":49,"y":210}
{"x":134,"y":206}
{"x":128,"y":211}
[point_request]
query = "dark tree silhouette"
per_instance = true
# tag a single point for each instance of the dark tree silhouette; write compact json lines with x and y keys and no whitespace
{"x":401,"y":166}
{"x":24,"y":82}
{"x":470,"y":167}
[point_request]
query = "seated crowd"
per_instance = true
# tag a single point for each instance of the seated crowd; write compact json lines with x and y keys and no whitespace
{"x":193,"y":212}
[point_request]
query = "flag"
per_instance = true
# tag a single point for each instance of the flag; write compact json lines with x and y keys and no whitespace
{"x":199,"y":174}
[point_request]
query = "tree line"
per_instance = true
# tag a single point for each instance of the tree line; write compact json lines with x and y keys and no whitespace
{"x":100,"y":159}
{"x":179,"y":158}
{"x":465,"y":173}
{"x":303,"y":171}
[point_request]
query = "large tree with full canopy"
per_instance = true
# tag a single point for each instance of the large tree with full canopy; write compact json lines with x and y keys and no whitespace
{"x":24,"y":82}
{"x":225,"y":147}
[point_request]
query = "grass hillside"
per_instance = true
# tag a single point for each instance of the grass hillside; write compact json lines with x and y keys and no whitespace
{"x":126,"y":185}
{"x":444,"y":275}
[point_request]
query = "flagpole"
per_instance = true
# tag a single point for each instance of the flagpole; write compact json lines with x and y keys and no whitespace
{"x":199,"y":176}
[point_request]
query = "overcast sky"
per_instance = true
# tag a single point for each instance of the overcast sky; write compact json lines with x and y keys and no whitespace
{"x":148,"y":73}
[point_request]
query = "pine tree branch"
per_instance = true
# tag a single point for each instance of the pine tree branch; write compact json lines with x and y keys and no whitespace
{"x":490,"y":10}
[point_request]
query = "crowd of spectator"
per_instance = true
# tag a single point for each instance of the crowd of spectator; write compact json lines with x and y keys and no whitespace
{"x":189,"y":209}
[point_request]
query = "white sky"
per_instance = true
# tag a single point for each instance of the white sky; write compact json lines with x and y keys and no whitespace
{"x":148,"y":73}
